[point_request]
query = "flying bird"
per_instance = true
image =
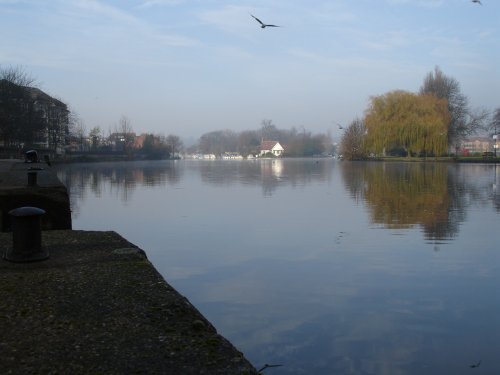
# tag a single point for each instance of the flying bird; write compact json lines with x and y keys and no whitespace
{"x":477,"y":2}
{"x":262,"y":24}
{"x":340,"y":126}
{"x":475,"y":365}
{"x":268,"y":366}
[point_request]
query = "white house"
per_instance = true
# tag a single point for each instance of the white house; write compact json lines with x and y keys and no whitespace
{"x":273,"y":147}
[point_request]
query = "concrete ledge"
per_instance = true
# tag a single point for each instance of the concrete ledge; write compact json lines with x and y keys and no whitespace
{"x":98,"y":306}
{"x":49,"y":194}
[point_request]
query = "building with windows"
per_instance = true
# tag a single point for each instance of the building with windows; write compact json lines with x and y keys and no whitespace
{"x":55,"y":119}
{"x":476,"y":145}
{"x":31,"y":118}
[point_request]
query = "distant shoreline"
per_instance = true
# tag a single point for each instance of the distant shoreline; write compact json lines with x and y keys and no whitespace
{"x":446,"y":159}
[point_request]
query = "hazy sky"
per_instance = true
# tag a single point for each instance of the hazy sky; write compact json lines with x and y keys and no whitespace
{"x":191,"y":66}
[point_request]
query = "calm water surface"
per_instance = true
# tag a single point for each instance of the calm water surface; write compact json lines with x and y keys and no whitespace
{"x":325,"y":267}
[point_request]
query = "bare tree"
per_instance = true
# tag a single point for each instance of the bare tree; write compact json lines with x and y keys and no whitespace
{"x":127,"y":135}
{"x":95,"y":136}
{"x":248,"y":142}
{"x":351,"y":144}
{"x":174,"y":143}
{"x":78,"y":131}
{"x":494,"y":124}
{"x":18,"y":76}
{"x":463,"y":122}
{"x":124,"y":125}
{"x":494,"y":127}
{"x":57,"y":128}
{"x":269,"y":131}
{"x":217,"y":142}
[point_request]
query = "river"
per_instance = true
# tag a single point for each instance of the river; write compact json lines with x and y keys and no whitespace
{"x":321,"y":266}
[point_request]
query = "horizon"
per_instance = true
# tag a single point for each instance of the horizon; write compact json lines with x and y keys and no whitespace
{"x":188,"y":67}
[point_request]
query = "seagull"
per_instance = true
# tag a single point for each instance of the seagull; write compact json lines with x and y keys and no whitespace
{"x":268,"y":366}
{"x":263,"y":25}
{"x":340,"y":126}
{"x":475,"y":365}
{"x":477,"y":2}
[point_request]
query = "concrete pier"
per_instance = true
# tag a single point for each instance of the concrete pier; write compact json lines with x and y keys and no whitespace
{"x":98,"y":306}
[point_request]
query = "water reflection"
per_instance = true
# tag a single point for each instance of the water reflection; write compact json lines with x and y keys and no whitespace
{"x":121,"y":178}
{"x":126,"y":176}
{"x":268,"y":173}
{"x":433,"y":196}
{"x":495,"y":191}
{"x":297,"y":261}
{"x":404,"y":195}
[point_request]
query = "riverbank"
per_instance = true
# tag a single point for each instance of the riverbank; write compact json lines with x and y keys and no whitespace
{"x":445,"y":159}
{"x":107,"y":157}
{"x":98,"y":306}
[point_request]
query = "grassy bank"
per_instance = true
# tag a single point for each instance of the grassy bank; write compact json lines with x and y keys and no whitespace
{"x":449,"y":159}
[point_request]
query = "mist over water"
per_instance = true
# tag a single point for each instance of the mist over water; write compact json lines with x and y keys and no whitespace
{"x":325,"y":267}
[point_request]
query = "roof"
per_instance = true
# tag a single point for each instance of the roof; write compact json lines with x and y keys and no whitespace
{"x":268,"y":145}
{"x":36,"y":94}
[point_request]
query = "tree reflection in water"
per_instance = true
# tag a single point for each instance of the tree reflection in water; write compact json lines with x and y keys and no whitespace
{"x":121,"y":178}
{"x":268,"y":173}
{"x":433,"y":196}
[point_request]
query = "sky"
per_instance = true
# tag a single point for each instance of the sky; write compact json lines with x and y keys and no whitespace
{"x":188,"y":67}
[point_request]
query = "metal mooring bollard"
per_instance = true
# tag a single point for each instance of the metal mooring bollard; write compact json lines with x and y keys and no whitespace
{"x":32,"y":177}
{"x":26,"y":235}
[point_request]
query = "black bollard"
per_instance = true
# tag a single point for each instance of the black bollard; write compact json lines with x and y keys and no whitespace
{"x":32,"y":177}
{"x":26,"y":235}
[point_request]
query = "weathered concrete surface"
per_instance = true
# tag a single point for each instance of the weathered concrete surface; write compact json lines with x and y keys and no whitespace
{"x":49,"y":194}
{"x":98,"y":306}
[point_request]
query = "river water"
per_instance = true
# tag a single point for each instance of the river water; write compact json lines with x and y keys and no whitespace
{"x":324,"y":267}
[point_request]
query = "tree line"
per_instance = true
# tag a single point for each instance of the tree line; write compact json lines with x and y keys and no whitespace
{"x":121,"y":138}
{"x":428,"y":123}
{"x":297,"y":142}
{"x":29,"y":118}
{"x":27,"y":121}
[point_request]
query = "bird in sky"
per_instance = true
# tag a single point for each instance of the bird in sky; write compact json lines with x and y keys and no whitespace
{"x":266,"y":366}
{"x":340,"y":126}
{"x":263,"y":25}
{"x":477,"y":2}
{"x":475,"y":365}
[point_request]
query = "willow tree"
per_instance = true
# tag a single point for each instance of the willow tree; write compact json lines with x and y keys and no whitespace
{"x":416,"y":123}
